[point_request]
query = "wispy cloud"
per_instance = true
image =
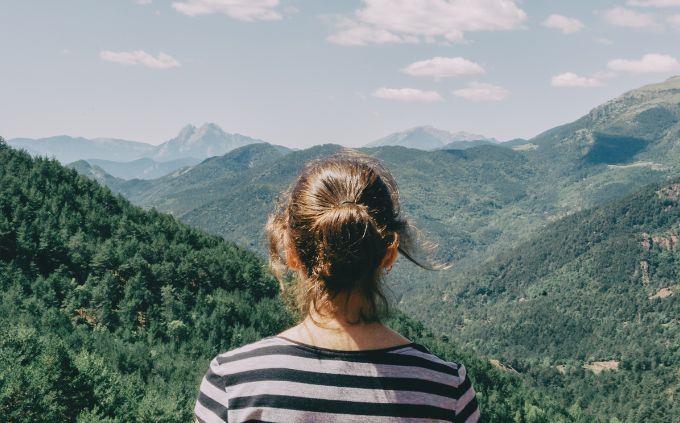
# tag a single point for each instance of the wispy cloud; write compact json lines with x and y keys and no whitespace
{"x":570,"y":79}
{"x":353,"y":33}
{"x":140,"y":57}
{"x":563,"y":23}
{"x":243,"y":10}
{"x":143,"y":2}
{"x":480,"y":91}
{"x":649,"y":63}
{"x":408,"y":21}
{"x":442,"y":67}
{"x":620,"y":16}
{"x":407,"y":95}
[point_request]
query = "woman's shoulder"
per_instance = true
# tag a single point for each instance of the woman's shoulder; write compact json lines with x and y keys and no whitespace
{"x":264,"y":346}
{"x":429,"y":360}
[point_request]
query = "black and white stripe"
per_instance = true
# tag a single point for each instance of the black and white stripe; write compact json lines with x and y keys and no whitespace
{"x":278,"y":380}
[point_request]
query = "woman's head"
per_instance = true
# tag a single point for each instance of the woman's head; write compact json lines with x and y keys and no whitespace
{"x":339,"y":228}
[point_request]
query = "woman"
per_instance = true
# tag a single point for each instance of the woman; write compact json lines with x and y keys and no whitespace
{"x":337,"y":231}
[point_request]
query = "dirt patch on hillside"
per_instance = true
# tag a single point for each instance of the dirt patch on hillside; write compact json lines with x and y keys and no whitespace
{"x":506,"y":368}
{"x":598,"y":367}
{"x":662,"y":293}
{"x":651,"y":165}
{"x":644,"y":269}
{"x":525,"y":147}
{"x":667,"y":240}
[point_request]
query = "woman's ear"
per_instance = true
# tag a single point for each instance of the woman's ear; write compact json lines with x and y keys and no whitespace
{"x":391,"y":254}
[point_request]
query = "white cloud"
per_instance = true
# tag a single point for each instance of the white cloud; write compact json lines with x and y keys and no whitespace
{"x":400,"y":21}
{"x":407,"y":95}
{"x":649,"y":63}
{"x":143,"y":2}
{"x":620,"y":16}
{"x":140,"y":57}
{"x":480,"y":91}
{"x":570,"y":79}
{"x":243,"y":10}
{"x":655,"y":3}
{"x":563,"y":23}
{"x":441,"y":67}
{"x":352,"y":33}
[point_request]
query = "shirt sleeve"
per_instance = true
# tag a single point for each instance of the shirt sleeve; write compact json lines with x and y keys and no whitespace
{"x":212,"y":402}
{"x":467,"y":410}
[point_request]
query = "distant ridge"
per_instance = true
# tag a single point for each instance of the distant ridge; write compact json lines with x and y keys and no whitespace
{"x":68,"y":149}
{"x":209,"y":140}
{"x":131,"y":159}
{"x":431,"y":138}
{"x":144,"y":168}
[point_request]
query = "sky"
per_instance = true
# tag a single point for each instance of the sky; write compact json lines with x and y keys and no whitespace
{"x":299,"y":73}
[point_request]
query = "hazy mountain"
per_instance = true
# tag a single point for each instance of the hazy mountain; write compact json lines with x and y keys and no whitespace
{"x":426,"y":138}
{"x":69,"y":149}
{"x":97,"y":173}
{"x":143,"y":168}
{"x":200,"y":143}
{"x":192,"y":145}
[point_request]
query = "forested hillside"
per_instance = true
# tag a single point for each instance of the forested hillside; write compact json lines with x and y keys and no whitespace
{"x":111,"y":313}
{"x":596,"y":290}
{"x":108,"y":311}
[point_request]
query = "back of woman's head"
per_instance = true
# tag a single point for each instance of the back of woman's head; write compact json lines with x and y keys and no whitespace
{"x":338,"y":227}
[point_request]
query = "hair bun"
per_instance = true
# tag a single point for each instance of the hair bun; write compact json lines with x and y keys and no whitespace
{"x":334,"y":227}
{"x":349,"y":245}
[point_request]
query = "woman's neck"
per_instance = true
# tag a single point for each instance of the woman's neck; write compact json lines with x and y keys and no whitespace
{"x":335,"y":332}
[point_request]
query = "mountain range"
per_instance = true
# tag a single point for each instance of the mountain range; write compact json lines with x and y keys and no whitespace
{"x":563,"y":243}
{"x":471,"y":200}
{"x":134,"y":160}
{"x":130,"y":159}
{"x":68,"y":149}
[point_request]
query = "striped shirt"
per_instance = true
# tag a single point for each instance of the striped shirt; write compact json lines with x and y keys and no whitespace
{"x":279,"y":380}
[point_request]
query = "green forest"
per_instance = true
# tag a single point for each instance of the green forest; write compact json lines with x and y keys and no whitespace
{"x":595,"y":287}
{"x":111,"y":313}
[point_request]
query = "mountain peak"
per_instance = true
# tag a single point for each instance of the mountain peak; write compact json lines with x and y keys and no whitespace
{"x":426,"y":137}
{"x":209,"y":129}
{"x":211,"y":126}
{"x":206,"y":141}
{"x":186,"y":131}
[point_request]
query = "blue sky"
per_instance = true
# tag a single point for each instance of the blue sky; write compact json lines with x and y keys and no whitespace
{"x":299,"y":73}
